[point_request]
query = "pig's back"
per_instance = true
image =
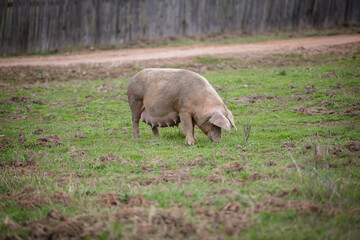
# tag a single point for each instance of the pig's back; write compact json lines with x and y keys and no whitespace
{"x":163,"y":89}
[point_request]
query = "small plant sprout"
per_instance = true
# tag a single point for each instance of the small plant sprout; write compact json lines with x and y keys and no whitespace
{"x":246,"y":129}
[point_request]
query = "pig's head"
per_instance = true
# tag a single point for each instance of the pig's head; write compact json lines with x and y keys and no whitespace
{"x":217,"y":121}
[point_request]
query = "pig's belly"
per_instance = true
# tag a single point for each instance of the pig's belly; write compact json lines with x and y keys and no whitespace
{"x":168,"y":120}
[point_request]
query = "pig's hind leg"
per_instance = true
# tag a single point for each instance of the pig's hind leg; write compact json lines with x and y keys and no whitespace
{"x":136,"y":107}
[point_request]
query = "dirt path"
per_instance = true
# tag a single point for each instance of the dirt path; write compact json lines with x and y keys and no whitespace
{"x":129,"y":56}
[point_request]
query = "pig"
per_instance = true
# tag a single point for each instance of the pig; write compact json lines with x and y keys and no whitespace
{"x":164,"y":97}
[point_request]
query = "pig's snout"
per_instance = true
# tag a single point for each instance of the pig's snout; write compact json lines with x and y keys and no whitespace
{"x":215,"y":134}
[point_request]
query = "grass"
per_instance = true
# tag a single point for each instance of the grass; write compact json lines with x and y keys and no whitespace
{"x":107,"y":159}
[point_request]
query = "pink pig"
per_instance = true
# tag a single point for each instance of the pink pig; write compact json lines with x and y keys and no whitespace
{"x":163,"y":97}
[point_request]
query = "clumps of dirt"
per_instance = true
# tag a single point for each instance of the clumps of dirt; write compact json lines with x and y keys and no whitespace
{"x":354,"y":151}
{"x":19,"y":166}
{"x":297,"y":97}
{"x":340,"y":85}
{"x":231,"y":167}
{"x":77,"y":153}
{"x":110,"y":158}
{"x":131,"y":215}
{"x":311,"y":111}
{"x":254,"y":176}
{"x":197,"y":162}
{"x":352,"y":110}
{"x":49,"y":141}
{"x":56,"y":215}
{"x":267,"y":150}
{"x":239,"y":147}
{"x":5,"y":142}
{"x":65,"y":178}
{"x":152,"y":142}
{"x":351,"y":149}
{"x":305,"y":207}
{"x":225,"y":168}
{"x":80,"y":135}
{"x":286,"y":192}
{"x":176,"y":176}
{"x":153,"y":223}
{"x":22,"y":139}
{"x":233,"y":218}
{"x":270,"y":163}
{"x":311,"y":89}
{"x":39,"y":131}
{"x":353,"y":146}
{"x":104,"y":88}
{"x":58,"y":226}
{"x":334,"y":74}
{"x":253,"y":99}
{"x":215,"y":178}
{"x":23,"y":100}
{"x":115,"y":199}
{"x":57,"y":105}
{"x":152,"y":164}
{"x":288,"y":145}
{"x":61,"y":198}
{"x":302,"y":207}
{"x":294,"y":166}
{"x":29,"y":198}
{"x":165,"y":224}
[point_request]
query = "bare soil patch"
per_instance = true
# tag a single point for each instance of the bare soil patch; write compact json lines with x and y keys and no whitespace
{"x":125,"y":63}
{"x":232,"y":216}
{"x":311,"y":111}
{"x":129,"y":56}
{"x":231,"y":167}
{"x":30,"y":198}
{"x":115,"y":199}
{"x":153,"y":165}
{"x":18,"y":166}
{"x":61,"y":197}
{"x":175,"y":176}
{"x":49,"y":140}
{"x":23,"y":100}
{"x":197,"y":162}
{"x":110,"y":158}
{"x":253,"y":99}
{"x":78,"y":153}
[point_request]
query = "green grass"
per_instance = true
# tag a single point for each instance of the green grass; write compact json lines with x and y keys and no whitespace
{"x":67,"y":109}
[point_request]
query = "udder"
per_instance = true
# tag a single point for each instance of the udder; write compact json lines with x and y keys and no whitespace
{"x":169,"y":120}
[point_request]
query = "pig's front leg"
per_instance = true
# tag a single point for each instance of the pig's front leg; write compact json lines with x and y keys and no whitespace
{"x":135,"y":127}
{"x":188,"y":127}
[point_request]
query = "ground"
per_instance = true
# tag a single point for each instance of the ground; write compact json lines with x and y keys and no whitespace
{"x":70,"y":168}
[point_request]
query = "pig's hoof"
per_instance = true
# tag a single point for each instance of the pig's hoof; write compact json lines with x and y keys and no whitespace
{"x":190,"y":142}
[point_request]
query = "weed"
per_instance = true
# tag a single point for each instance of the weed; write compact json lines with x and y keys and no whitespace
{"x":246,"y":129}
{"x":322,"y":186}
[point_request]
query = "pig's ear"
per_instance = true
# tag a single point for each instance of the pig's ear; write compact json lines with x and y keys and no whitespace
{"x":231,"y":119}
{"x":218,"y":119}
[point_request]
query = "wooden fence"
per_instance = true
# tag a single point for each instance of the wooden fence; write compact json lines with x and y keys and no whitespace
{"x":47,"y":25}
